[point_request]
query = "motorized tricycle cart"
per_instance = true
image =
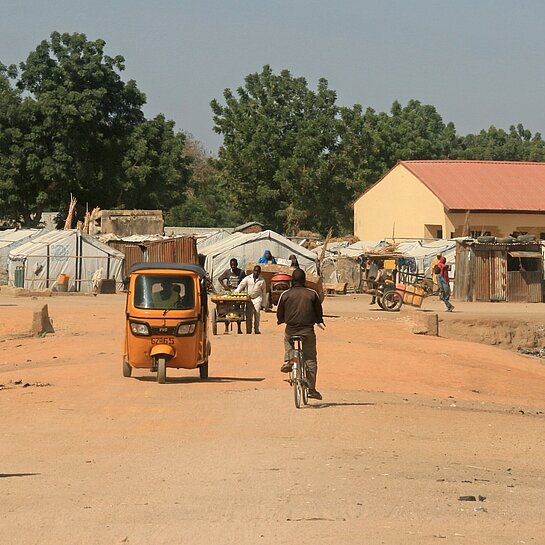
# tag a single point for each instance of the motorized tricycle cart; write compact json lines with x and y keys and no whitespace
{"x":167,"y":317}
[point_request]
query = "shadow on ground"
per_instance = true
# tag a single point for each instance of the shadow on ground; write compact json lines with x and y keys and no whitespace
{"x":190,"y":380}
{"x":8,"y":475}
{"x":339,"y":404}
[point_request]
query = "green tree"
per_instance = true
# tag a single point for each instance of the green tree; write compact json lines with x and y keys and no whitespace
{"x":80,"y":129}
{"x":371,"y":143}
{"x":156,"y":171}
{"x":498,"y":145}
{"x":207,"y":202}
{"x":277,"y":154}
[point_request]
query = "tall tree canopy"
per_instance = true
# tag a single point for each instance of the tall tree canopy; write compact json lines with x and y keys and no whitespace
{"x":277,"y":158}
{"x":70,"y":124}
{"x":498,"y":145}
{"x":207,"y":202}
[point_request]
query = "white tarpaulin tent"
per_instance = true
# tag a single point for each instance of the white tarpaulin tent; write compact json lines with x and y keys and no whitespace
{"x":212,"y":239}
{"x":72,"y":253}
{"x":9,"y":240}
{"x":424,"y":253}
{"x":248,"y":248}
{"x":361,"y":247}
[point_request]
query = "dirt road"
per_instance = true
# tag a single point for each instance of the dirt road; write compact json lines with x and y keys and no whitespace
{"x":408,"y":424}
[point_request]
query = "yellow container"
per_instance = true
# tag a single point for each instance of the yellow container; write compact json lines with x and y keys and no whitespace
{"x":63,"y":279}
{"x":418,"y":296}
{"x":408,"y":295}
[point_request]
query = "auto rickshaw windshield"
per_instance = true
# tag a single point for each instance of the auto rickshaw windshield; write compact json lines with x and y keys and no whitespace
{"x":164,"y":292}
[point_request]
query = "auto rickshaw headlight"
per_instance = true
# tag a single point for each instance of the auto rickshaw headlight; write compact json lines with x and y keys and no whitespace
{"x":186,"y":329}
{"x":139,"y":328}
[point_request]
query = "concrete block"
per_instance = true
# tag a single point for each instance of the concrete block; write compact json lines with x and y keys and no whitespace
{"x":425,"y":323}
{"x":41,"y":322}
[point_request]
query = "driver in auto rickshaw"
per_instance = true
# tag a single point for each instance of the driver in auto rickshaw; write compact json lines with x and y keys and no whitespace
{"x":168,"y":297}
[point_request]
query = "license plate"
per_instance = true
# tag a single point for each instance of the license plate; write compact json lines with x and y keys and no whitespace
{"x":162,"y":340}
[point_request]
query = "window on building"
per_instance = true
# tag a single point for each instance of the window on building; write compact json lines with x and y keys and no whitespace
{"x":477,"y":234}
{"x":433,"y":231}
{"x":522,"y":264}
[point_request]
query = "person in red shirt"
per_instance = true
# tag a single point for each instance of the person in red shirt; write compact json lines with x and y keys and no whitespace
{"x":441,"y":271}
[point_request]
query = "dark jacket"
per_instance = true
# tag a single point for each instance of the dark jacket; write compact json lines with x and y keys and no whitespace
{"x":299,"y":308}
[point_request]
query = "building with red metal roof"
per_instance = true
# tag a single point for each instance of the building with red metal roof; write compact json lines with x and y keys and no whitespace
{"x":446,"y":199}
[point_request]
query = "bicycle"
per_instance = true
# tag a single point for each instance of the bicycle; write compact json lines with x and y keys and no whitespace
{"x":298,"y":375}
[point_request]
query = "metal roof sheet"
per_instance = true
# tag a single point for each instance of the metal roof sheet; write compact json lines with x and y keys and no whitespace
{"x":484,"y":185}
{"x":530,"y":255}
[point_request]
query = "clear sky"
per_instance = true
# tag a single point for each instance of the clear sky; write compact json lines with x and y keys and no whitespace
{"x":479,"y":62}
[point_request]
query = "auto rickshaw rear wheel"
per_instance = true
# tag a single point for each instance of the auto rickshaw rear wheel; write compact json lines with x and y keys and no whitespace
{"x":203,"y":370}
{"x":161,"y":370}
{"x":127,"y":369}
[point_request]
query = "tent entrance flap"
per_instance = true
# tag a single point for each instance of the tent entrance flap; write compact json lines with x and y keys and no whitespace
{"x":527,"y":255}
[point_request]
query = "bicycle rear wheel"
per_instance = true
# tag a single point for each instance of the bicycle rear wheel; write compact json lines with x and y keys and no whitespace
{"x":297,"y":382}
{"x":304,"y":384}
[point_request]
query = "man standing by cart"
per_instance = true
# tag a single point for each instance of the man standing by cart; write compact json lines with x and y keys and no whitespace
{"x":254,"y":285}
{"x":232,"y":277}
{"x":229,"y":281}
{"x":300,"y":308}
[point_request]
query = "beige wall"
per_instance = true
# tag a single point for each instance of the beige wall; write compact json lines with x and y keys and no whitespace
{"x":400,"y":205}
{"x":499,"y":225}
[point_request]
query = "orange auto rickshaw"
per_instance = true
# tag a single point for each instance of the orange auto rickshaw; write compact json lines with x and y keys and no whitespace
{"x":167,"y":318}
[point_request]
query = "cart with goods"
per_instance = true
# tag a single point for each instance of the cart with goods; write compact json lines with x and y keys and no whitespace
{"x":230,"y":308}
{"x":276,"y":286}
{"x":393,"y":294}
{"x":392,"y":298}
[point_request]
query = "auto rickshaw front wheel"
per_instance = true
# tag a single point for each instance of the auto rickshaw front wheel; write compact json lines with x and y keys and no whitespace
{"x":161,"y":370}
{"x":203,"y":370}
{"x":127,"y":369}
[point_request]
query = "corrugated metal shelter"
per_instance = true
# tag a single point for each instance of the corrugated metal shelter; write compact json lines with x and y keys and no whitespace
{"x":9,"y":240}
{"x":499,"y":272}
{"x":160,"y":250}
{"x":248,"y":248}
{"x":44,"y":258}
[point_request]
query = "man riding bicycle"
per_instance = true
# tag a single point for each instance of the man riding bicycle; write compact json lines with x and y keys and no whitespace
{"x":300,"y":308}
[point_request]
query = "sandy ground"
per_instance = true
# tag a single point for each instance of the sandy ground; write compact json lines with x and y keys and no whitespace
{"x":408,"y":424}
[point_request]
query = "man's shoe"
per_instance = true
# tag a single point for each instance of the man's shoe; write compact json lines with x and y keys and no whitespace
{"x":248,"y":332}
{"x":258,"y":332}
{"x":314,"y":394}
{"x":286,"y":368}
